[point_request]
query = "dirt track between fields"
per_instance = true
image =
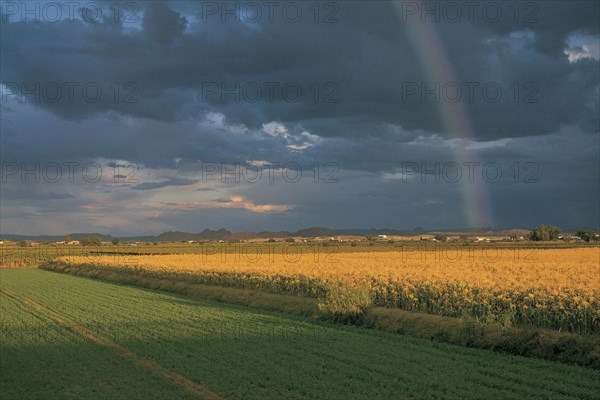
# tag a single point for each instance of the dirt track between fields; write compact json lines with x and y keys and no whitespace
{"x":173,"y":377}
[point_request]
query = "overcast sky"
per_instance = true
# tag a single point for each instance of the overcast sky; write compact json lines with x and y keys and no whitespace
{"x":140,"y":117}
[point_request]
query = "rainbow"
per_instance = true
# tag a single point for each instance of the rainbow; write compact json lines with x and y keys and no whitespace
{"x":431,"y":54}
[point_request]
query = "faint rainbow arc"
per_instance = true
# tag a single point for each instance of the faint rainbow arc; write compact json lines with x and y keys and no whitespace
{"x":432,"y":56}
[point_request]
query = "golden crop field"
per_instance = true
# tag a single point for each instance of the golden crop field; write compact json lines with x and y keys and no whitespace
{"x":558,"y":288}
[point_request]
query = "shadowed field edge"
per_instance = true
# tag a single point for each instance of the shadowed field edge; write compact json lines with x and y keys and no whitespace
{"x":170,"y":376}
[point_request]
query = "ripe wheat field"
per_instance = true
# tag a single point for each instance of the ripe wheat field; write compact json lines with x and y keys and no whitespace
{"x":555,"y":288}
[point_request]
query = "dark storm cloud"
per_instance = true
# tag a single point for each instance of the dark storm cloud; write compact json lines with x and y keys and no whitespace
{"x":167,"y":68}
{"x":553,"y":22}
{"x":162,"y":23}
{"x":157,"y":112}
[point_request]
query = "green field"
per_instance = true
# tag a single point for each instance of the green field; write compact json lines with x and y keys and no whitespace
{"x":66,"y":337}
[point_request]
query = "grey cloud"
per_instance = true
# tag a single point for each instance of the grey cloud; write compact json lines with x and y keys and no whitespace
{"x":161,"y":122}
{"x":369,"y":67}
{"x":162,"y":23}
{"x":172,"y":181}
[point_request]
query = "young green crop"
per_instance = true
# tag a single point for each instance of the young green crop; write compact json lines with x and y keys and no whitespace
{"x":242,"y":353}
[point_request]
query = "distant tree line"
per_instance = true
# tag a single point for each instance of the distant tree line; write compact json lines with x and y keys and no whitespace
{"x":91,"y":241}
{"x":549,"y":232}
{"x":587,"y":235}
{"x":544,"y":233}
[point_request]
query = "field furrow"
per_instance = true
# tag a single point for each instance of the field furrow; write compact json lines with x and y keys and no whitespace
{"x":243,"y":353}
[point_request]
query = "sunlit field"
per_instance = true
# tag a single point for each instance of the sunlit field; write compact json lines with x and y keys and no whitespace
{"x":555,"y":288}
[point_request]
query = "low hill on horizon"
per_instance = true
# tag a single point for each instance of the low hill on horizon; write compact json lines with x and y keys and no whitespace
{"x":226,"y":235}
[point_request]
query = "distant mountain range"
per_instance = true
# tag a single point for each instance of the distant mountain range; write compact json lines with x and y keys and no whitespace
{"x":224,"y":234}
